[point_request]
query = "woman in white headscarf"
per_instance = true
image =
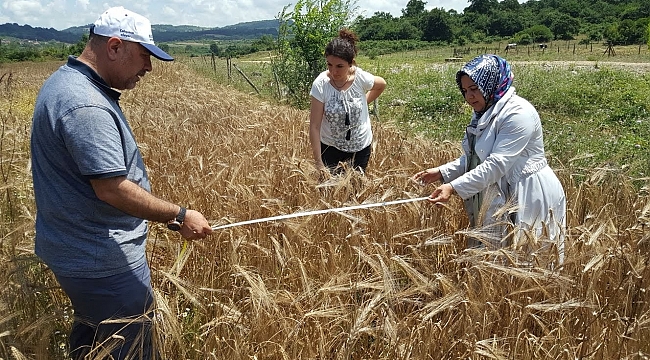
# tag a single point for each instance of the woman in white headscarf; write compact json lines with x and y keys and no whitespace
{"x":503,"y":162}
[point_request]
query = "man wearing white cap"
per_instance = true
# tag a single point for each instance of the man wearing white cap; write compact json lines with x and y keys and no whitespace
{"x":93,"y":194}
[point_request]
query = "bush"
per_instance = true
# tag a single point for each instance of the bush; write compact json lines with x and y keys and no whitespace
{"x":524,"y":39}
{"x":538,"y":33}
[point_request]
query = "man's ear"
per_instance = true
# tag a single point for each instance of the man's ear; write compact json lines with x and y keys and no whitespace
{"x":113,"y":46}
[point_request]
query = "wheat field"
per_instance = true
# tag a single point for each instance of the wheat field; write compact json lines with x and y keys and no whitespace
{"x":390,"y":282}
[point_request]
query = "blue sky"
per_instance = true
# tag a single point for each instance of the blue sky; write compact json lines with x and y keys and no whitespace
{"x":61,"y":14}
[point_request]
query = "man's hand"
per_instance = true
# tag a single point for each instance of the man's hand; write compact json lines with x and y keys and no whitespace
{"x":195,"y":226}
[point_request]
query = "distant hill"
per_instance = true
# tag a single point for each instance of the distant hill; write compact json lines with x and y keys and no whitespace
{"x":245,"y":30}
{"x":162,"y":33}
{"x":27,"y":32}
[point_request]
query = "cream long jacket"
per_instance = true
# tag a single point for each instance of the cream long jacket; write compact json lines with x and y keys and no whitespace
{"x":512,"y":169}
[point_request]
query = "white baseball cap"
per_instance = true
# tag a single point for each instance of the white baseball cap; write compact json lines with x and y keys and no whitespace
{"x":127,"y":25}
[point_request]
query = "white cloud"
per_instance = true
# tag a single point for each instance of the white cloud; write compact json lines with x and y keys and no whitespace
{"x":169,"y":12}
{"x":23,"y":8}
{"x":61,"y":14}
{"x":370,"y":7}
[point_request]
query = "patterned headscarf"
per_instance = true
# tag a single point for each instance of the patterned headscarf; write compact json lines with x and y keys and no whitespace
{"x":491,"y":74}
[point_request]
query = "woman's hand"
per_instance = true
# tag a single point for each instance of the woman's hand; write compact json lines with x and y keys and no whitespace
{"x":427,"y":176}
{"x":441,"y":194}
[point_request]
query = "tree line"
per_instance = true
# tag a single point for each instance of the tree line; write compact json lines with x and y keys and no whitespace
{"x":620,"y":22}
{"x":14,"y":51}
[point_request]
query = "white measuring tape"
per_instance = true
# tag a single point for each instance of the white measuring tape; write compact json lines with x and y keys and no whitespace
{"x":318,"y":212}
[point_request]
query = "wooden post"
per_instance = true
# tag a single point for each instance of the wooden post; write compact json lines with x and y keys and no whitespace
{"x":277,"y":84}
{"x":247,"y":79}
{"x":574,"y":49}
{"x":228,"y":68}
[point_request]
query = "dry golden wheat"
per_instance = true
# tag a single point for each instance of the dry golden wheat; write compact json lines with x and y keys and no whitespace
{"x":381,"y":283}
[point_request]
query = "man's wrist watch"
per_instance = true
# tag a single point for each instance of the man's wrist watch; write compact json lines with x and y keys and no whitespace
{"x":177,"y":222}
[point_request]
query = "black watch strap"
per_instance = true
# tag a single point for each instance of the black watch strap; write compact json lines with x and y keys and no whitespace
{"x":181,"y":215}
{"x":177,"y":223}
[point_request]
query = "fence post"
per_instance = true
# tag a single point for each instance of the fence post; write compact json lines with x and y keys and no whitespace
{"x":247,"y":79}
{"x":229,"y":68}
{"x":277,"y":84}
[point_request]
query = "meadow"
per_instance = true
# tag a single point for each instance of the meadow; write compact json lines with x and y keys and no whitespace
{"x":391,"y":282}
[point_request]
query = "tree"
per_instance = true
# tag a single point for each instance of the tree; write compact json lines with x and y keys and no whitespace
{"x":482,"y":6}
{"x":77,"y":48}
{"x":612,"y":34}
{"x":633,"y":12}
{"x":565,"y":27}
{"x":539,"y":33}
{"x":510,"y":5}
{"x":231,"y":51}
{"x":594,"y":32}
{"x":164,"y":47}
{"x":214,"y":49}
{"x":414,"y":9}
{"x":570,"y":7}
{"x":265,"y":42}
{"x":633,"y":32}
{"x":405,"y":30}
{"x":375,"y":27}
{"x":302,"y":37}
{"x":437,"y":26}
{"x":546,"y":16}
{"x":505,"y":23}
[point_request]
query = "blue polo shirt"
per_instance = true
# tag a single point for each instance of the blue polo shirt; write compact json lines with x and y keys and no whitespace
{"x":80,"y":133}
